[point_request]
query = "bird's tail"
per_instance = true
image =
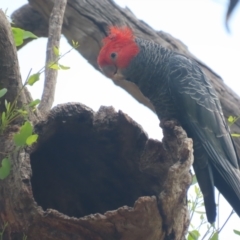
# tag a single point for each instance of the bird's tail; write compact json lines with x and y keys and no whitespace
{"x":206,"y":183}
{"x":228,"y":185}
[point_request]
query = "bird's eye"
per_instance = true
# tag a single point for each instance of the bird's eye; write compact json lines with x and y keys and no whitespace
{"x":113,"y":55}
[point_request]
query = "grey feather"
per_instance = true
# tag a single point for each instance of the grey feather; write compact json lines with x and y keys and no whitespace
{"x":179,"y":89}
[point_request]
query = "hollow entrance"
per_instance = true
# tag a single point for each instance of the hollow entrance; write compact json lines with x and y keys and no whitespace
{"x":87,"y":163}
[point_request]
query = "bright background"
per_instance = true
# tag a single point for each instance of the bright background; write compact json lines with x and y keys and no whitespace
{"x":197,"y":23}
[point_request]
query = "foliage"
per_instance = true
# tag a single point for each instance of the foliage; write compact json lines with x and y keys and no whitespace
{"x":236,"y":232}
{"x":203,"y":230}
{"x":21,"y":139}
{"x":198,"y":215}
{"x":19,"y":35}
{"x":25,"y":136}
{"x":3,"y":92}
{"x":5,"y":169}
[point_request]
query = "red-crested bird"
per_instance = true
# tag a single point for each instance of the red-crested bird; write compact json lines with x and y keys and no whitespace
{"x":178,"y":89}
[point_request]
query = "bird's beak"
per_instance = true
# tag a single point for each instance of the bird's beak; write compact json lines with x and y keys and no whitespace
{"x":118,"y":76}
{"x":109,"y":70}
{"x":112,"y":72}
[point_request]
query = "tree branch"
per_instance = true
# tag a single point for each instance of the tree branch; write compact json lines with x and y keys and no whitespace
{"x":55,"y":29}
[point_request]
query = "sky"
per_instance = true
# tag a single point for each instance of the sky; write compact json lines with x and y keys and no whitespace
{"x":199,"y":24}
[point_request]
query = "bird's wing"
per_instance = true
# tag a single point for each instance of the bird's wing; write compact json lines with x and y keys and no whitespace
{"x":203,"y":119}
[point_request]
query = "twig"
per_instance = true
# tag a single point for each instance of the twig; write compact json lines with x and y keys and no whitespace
{"x":232,"y":212}
{"x":218,"y":219}
{"x":43,"y":69}
{"x":55,"y":28}
{"x":207,"y":232}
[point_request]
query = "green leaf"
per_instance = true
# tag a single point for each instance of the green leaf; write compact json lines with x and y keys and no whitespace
{"x":32,"y":139}
{"x":231,"y":119}
{"x":64,"y":67}
{"x":17,"y":36}
{"x":214,"y":236}
{"x":6,"y":104}
{"x":236,"y":232}
{"x":235,"y":134}
{"x":75,"y":44}
{"x":34,"y":103}
{"x":194,"y":179}
{"x":54,"y":66}
{"x":3,"y":117}
{"x":197,"y":190}
{"x":193,"y":235}
{"x":56,"y":51}
{"x":3,"y":91}
{"x":33,"y":78}
{"x":22,"y":112}
{"x":21,"y":137}
{"x":27,"y":34}
{"x":5,"y":168}
{"x":190,"y":237}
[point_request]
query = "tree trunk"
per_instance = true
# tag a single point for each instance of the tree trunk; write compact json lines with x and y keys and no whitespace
{"x":91,"y":175}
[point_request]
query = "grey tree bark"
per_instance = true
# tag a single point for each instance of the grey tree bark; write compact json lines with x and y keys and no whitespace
{"x":54,"y":35}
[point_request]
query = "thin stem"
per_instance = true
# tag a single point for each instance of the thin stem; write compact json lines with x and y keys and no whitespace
{"x":194,"y":207}
{"x":218,"y":222}
{"x":232,"y":212}
{"x":207,"y":232}
{"x":23,"y":86}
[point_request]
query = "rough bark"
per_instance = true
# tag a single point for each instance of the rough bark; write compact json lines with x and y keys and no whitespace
{"x":90,"y":175}
{"x":10,"y":77}
{"x":98,"y":176}
{"x":87,"y":22}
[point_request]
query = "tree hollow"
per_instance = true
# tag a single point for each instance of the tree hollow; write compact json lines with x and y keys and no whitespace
{"x":88,"y":163}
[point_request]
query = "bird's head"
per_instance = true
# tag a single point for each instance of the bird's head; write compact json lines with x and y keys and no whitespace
{"x":119,"y":48}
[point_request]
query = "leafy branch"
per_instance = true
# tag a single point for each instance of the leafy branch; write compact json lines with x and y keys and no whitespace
{"x":24,"y":137}
{"x":195,"y":205}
